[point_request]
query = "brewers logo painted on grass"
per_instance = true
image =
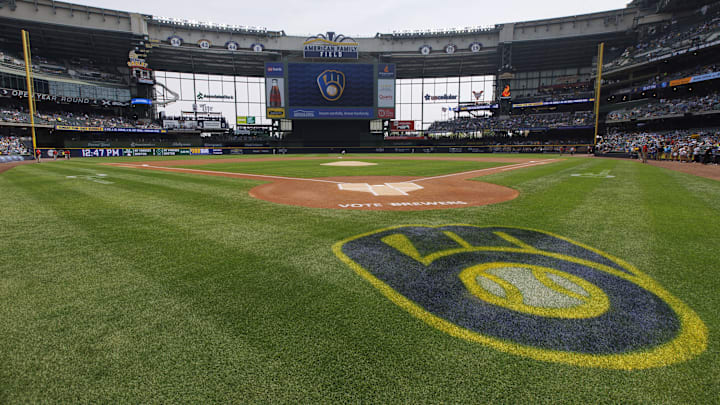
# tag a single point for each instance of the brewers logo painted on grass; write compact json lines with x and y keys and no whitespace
{"x":331,"y":84}
{"x":528,"y":292}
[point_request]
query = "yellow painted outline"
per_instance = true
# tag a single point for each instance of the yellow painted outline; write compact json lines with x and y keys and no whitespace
{"x":593,"y":306}
{"x":690,"y":342}
{"x":322,"y":92}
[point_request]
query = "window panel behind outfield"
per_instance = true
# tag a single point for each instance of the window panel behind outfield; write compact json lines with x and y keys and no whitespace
{"x":187,"y":92}
{"x":242,"y":91}
{"x":466,"y":95}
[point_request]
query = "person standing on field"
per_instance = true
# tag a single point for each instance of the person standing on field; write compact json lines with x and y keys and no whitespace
{"x":38,"y":152}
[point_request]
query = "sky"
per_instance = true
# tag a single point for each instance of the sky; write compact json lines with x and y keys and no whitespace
{"x":359,"y":18}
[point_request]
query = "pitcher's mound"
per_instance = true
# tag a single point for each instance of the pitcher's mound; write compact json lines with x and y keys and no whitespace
{"x":349,"y":163}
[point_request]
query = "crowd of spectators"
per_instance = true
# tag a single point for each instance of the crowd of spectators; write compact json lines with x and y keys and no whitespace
{"x":513,"y":122}
{"x":77,"y":68}
{"x":667,"y":38}
{"x":558,"y":92}
{"x":11,"y":145}
{"x":667,"y":77}
{"x":666,"y":107}
{"x":690,"y":145}
{"x":15,"y":115}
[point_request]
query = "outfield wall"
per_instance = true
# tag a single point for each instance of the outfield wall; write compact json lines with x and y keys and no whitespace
{"x":267,"y":151}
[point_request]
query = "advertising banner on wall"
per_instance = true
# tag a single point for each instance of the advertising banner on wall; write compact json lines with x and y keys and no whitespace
{"x":332,"y":113}
{"x":386,"y":93}
{"x":402,"y":126}
{"x":244,"y":120}
{"x":274,"y":90}
{"x":386,"y":113}
{"x":211,"y":125}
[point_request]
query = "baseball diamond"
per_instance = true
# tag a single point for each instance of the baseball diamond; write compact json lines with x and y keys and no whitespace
{"x":519,"y":210}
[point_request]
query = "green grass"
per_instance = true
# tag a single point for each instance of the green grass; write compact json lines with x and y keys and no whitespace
{"x":171,"y":287}
{"x":315,"y":168}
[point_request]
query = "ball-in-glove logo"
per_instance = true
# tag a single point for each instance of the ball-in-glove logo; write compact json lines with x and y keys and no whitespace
{"x":331,"y":84}
{"x":530,"y":293}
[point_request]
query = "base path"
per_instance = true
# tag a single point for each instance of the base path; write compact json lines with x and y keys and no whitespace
{"x":368,"y":192}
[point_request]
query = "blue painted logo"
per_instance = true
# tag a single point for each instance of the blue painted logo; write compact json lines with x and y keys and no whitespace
{"x":331,"y":84}
{"x":528,"y":292}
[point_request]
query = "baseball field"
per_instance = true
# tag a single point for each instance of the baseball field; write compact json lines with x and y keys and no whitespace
{"x":457,"y":279}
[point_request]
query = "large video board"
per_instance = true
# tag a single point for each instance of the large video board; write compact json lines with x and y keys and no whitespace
{"x":330,"y":90}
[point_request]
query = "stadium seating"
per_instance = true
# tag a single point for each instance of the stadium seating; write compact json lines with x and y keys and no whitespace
{"x":690,"y":145}
{"x":668,"y":107}
{"x":10,"y":145}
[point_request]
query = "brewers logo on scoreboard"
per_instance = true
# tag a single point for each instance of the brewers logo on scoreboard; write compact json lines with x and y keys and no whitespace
{"x":332,"y":84}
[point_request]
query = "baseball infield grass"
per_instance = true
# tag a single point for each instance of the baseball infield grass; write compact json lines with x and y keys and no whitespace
{"x":143,"y":286}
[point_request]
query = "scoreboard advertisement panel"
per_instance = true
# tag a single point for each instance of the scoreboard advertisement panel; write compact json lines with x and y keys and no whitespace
{"x":329,"y":90}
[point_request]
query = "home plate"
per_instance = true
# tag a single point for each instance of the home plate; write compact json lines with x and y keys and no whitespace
{"x":349,"y":163}
{"x":381,"y":189}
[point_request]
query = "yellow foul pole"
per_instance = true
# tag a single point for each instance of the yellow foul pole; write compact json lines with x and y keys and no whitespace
{"x":30,"y":88}
{"x":598,"y":83}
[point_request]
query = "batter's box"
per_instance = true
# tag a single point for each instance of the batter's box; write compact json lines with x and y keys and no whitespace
{"x":388,"y":189}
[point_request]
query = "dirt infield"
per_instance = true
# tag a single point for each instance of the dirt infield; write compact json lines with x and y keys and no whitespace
{"x":9,"y":165}
{"x":367,"y":192}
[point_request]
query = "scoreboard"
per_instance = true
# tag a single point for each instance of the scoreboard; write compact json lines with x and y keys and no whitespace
{"x":330,"y":91}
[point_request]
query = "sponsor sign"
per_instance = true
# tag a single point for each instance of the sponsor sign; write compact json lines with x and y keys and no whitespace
{"x":245,"y":120}
{"x":275,"y":113}
{"x":333,"y":113}
{"x":386,"y":71}
{"x":429,"y":97}
{"x":74,"y":128}
{"x":386,"y":113}
{"x":386,"y":93}
{"x":211,"y":124}
{"x":202,"y":96}
{"x":274,"y":70}
{"x":105,"y":129}
{"x":559,"y":102}
{"x":506,"y":92}
{"x":680,"y":82}
{"x":205,"y":151}
{"x":477,"y":107}
{"x":707,"y":76}
{"x":330,"y":46}
{"x":402,"y":126}
{"x":142,"y":101}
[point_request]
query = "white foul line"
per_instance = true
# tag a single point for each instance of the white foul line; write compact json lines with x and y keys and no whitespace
{"x":181,"y":169}
{"x":502,"y":168}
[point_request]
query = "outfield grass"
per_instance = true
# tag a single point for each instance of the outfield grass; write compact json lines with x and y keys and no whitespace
{"x":315,"y":168}
{"x":172,"y":287}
